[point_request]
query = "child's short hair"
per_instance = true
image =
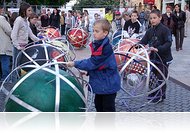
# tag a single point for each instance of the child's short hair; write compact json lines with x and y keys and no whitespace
{"x":157,"y":12}
{"x":135,"y":12}
{"x":33,"y":15}
{"x":105,"y":24}
{"x":1,"y":6}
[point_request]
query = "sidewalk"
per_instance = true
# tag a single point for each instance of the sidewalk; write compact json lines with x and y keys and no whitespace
{"x":180,"y":67}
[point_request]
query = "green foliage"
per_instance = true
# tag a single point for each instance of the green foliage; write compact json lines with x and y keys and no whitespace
{"x":43,"y":2}
{"x":95,"y":4}
{"x":47,"y":2}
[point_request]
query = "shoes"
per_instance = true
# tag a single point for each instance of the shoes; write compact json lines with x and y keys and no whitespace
{"x":177,"y":49}
{"x":185,"y":36}
{"x":180,"y":48}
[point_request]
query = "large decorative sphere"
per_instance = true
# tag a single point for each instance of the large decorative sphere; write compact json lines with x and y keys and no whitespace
{"x":49,"y":32}
{"x":41,"y":54}
{"x":65,"y":47}
{"x":53,"y":33}
{"x":123,"y":48}
{"x":77,"y":37}
{"x":39,"y":92}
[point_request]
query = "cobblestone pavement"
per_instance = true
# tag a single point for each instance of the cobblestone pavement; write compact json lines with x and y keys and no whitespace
{"x":177,"y":100}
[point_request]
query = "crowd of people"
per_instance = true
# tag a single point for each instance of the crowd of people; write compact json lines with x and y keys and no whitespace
{"x":19,"y":29}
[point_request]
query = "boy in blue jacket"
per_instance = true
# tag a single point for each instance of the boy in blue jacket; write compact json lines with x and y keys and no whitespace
{"x":102,"y":68}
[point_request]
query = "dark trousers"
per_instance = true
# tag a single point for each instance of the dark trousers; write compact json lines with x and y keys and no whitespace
{"x":63,"y":29}
{"x":179,"y":36}
{"x":105,"y":102}
{"x":67,"y":29}
{"x":160,"y":93}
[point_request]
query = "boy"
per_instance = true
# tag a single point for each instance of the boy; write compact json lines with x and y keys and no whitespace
{"x":159,"y":39}
{"x":102,"y":68}
{"x":118,"y":22}
{"x":132,"y":25}
{"x":32,"y":23}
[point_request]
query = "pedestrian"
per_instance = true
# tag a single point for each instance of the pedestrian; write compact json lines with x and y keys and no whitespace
{"x":79,"y":19}
{"x":44,"y":18}
{"x":70,"y":21}
{"x":62,"y":22}
{"x":109,"y":15}
{"x":159,"y":39}
{"x":179,"y":20}
{"x":187,"y":22}
{"x":55,"y":19}
{"x":142,"y":17}
{"x":102,"y":68}
{"x":86,"y":20}
{"x":118,"y":22}
{"x":146,"y":17}
{"x":132,"y":25}
{"x":126,"y":16}
{"x":14,"y":15}
{"x":32,"y":23}
{"x":6,"y":46}
{"x":21,"y":31}
{"x":168,"y":19}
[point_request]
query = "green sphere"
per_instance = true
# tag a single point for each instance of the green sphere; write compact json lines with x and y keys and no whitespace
{"x":39,"y":91}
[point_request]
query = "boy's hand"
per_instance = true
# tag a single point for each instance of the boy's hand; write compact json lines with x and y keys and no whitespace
{"x":83,"y":73}
{"x":153,"y":49}
{"x":70,"y":64}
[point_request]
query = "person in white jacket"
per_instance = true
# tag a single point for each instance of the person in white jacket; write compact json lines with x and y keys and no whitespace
{"x":5,"y":45}
{"x":187,"y":22}
{"x":21,"y":31}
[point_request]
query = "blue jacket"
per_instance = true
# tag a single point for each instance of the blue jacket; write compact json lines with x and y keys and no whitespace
{"x":102,"y":68}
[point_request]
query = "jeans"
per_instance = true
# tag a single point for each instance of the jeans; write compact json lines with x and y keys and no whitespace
{"x":5,"y":65}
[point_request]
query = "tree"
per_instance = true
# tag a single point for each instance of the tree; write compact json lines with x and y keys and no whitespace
{"x":95,"y":3}
{"x":42,"y":2}
{"x":47,"y":2}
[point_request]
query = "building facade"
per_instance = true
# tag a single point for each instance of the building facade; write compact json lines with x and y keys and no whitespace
{"x":173,"y":2}
{"x":160,"y":4}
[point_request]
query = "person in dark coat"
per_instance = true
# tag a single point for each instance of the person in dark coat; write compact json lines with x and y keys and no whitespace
{"x":44,"y":18}
{"x":179,"y":20}
{"x":102,"y":68}
{"x":55,"y":19}
{"x":168,"y":19}
{"x":159,"y":39}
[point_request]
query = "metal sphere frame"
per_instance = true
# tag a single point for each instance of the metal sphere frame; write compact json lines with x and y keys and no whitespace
{"x":140,"y":55}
